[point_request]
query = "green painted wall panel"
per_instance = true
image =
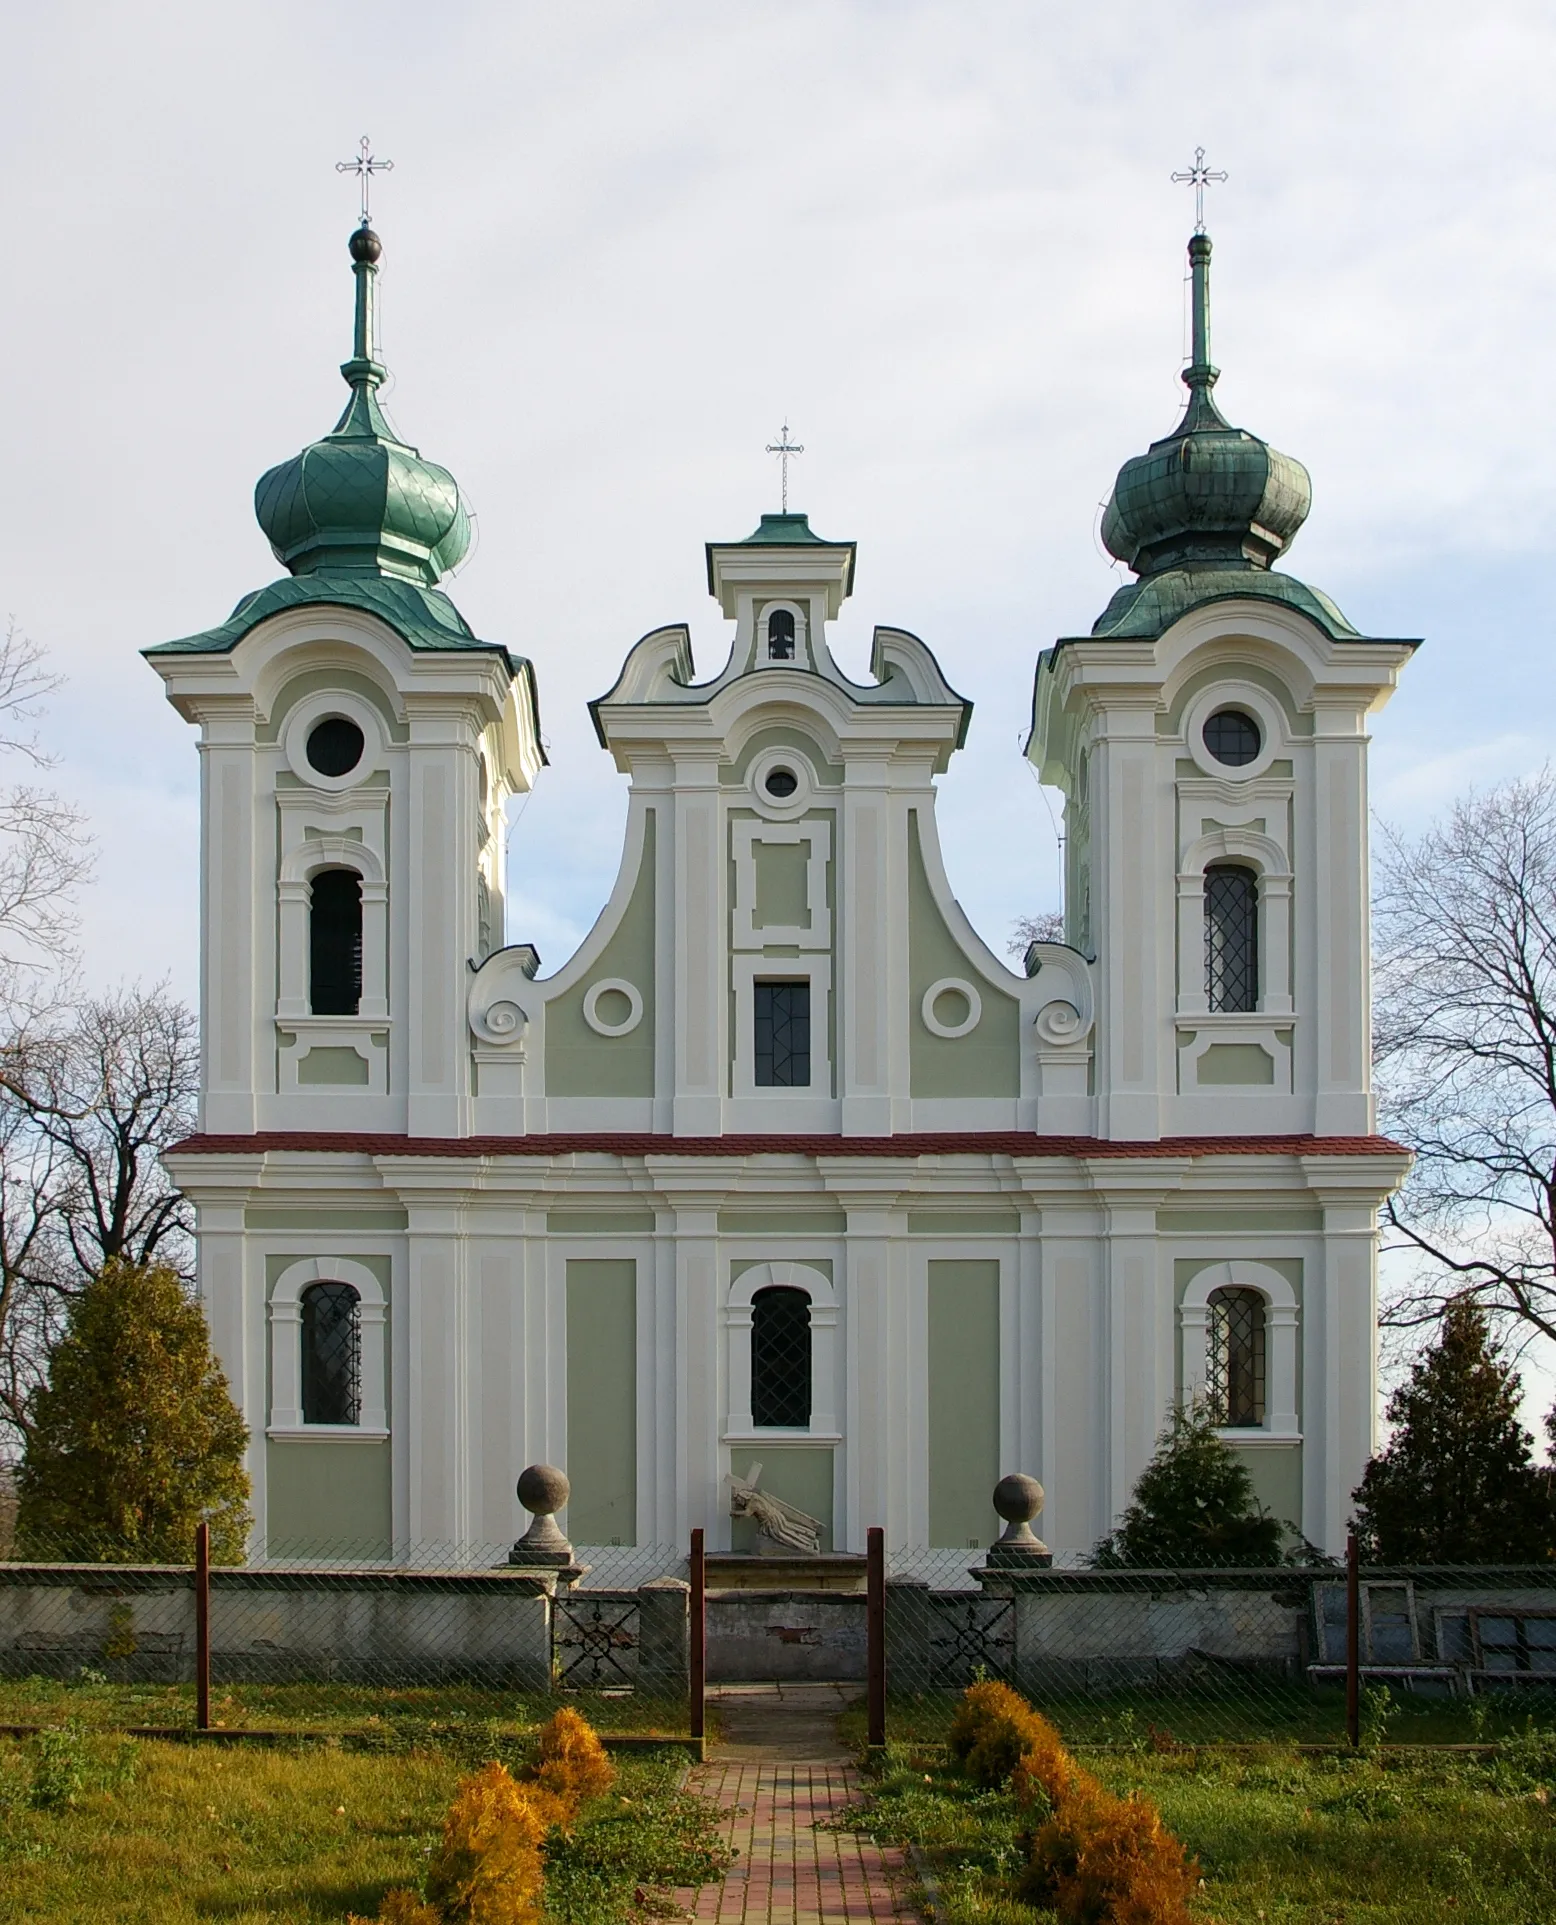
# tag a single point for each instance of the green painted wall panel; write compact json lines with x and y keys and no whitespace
{"x":780,"y":735}
{"x":780,"y":1222}
{"x":1239,"y":1222}
{"x":602,"y":1424}
{"x":314,"y":681}
{"x":579,"y":1061}
{"x":781,"y":878}
{"x":961,"y":1223}
{"x":987,"y":1061}
{"x":964,"y":1401}
{"x":327,"y":1497}
{"x":260,"y":1216}
{"x":1276,"y":1470}
{"x":1228,"y":1063}
{"x":580,"y":1223}
{"x":331,"y":1065}
{"x":798,"y":1473}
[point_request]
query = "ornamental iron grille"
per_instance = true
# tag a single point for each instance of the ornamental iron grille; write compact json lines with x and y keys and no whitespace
{"x":335,"y":943}
{"x":782,"y":1035}
{"x":972,"y":1637}
{"x":594,"y":1641}
{"x":780,"y":1358}
{"x":1234,"y":1363}
{"x":1231,"y":937}
{"x":332,"y":1354}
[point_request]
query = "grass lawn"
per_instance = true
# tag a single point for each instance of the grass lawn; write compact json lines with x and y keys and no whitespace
{"x":413,"y":1711}
{"x":1282,"y":1839}
{"x":97,"y":1827}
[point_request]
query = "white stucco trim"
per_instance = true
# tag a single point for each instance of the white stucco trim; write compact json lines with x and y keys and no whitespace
{"x":737,"y":1313}
{"x":1254,"y":701}
{"x":306,"y":716}
{"x":609,"y":986}
{"x":286,"y":1361}
{"x":961,"y":987}
{"x":817,"y":971}
{"x":1281,"y":1315}
{"x":1234,"y":842}
{"x":816,"y":836}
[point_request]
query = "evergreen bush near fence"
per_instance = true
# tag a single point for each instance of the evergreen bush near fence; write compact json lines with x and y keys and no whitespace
{"x":489,"y":1868}
{"x":1092,"y":1858}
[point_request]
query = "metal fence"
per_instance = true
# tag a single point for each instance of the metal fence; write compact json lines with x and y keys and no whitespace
{"x":437,"y":1635}
{"x":1313,"y":1653}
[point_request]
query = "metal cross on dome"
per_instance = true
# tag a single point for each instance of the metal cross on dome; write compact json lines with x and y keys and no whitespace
{"x":783,"y":447}
{"x":1199,"y":177}
{"x":365,"y":166}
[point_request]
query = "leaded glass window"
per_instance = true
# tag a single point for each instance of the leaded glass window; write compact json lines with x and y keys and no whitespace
{"x":782,"y":1052}
{"x":1233,"y":737}
{"x":1231,"y":937}
{"x":780,"y":636}
{"x":332,"y":1354}
{"x":780,"y":1358}
{"x":1235,"y":1361}
{"x":335,"y":943}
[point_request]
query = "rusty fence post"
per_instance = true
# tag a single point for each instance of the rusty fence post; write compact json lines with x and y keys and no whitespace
{"x":875,"y":1637}
{"x":699,"y":1631}
{"x":1352,"y":1641}
{"x":202,"y":1587}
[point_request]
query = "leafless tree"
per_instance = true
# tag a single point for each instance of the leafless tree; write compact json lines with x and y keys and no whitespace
{"x":1465,"y":1032}
{"x":1046,"y":926}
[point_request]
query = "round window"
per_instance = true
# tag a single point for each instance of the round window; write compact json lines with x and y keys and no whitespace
{"x":335,"y":746}
{"x":1232,"y":736}
{"x":781,"y":783}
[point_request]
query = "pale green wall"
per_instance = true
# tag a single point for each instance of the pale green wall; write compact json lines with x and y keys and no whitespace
{"x":333,"y":1065}
{"x":1298,"y":721}
{"x":779,"y":735}
{"x":604,"y":1222}
{"x":314,"y":681}
{"x":964,"y":1400}
{"x":963,"y":1223}
{"x":327,"y":1497}
{"x":1226,"y":1063}
{"x":262,"y":1216}
{"x":602,"y":1456}
{"x":781,"y":876}
{"x":1276,"y":1470}
{"x":800,"y":1474}
{"x":986,"y":1062}
{"x":1256,"y":1222}
{"x":774,"y":1220}
{"x":578,"y":1061}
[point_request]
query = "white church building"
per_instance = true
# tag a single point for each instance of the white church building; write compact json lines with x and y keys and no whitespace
{"x":785,"y":1165}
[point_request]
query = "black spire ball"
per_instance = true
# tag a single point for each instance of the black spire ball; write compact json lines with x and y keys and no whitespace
{"x":365,"y":245}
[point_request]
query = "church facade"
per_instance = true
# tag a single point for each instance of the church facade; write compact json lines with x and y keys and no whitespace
{"x":785,"y":1166}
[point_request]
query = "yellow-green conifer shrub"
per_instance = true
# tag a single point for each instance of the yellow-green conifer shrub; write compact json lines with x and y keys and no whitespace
{"x":488,"y":1869}
{"x":571,"y":1760}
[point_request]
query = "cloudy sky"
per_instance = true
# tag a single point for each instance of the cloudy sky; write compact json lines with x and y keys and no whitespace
{"x":624,"y":240}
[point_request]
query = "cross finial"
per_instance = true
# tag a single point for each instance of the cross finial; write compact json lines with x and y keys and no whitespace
{"x":1199,"y":176}
{"x":783,"y":447}
{"x":365,"y":166}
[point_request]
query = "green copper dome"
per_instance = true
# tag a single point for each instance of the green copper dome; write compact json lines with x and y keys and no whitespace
{"x":1208,"y":496}
{"x":362,"y":500}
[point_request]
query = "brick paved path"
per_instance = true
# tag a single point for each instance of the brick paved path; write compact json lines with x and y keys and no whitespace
{"x":787,"y":1872}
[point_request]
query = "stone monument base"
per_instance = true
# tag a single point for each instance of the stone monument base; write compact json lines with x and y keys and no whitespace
{"x":786,"y":1571}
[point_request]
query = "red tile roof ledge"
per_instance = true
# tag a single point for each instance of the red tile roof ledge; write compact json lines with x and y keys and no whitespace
{"x":1014,"y":1143}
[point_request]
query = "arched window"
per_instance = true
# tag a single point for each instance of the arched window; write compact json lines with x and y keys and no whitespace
{"x":332,"y":1354}
{"x":780,"y":1358}
{"x":335,"y":943}
{"x":1235,"y":1358}
{"x":780,"y":636}
{"x":1231,"y":937}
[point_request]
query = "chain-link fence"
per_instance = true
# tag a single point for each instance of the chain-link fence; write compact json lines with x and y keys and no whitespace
{"x":1191,"y":1656}
{"x":434,"y":1636}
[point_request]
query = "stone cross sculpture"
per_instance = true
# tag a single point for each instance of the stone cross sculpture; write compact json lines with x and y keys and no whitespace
{"x":785,"y":1525}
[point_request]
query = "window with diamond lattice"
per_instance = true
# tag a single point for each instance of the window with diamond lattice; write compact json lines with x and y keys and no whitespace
{"x":782,"y":1053}
{"x":780,"y":1358}
{"x":1234,"y":1363}
{"x":1231,"y":937}
{"x":332,"y":1354}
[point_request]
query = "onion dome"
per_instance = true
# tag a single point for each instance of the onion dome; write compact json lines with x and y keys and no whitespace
{"x":362,"y":501}
{"x":1209,"y":496}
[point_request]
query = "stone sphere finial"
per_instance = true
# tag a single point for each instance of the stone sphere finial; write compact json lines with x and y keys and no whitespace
{"x":543,"y":1490}
{"x":1018,"y":1499}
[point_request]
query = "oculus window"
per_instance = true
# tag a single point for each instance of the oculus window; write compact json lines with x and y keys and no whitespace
{"x":1231,"y":937}
{"x":335,"y":943}
{"x":780,"y":1358}
{"x":782,"y":1054}
{"x":1232,"y":736}
{"x":332,"y":1354}
{"x":1235,"y":1358}
{"x":335,"y":746}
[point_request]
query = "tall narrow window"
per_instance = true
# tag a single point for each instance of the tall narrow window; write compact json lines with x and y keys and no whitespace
{"x":782,"y":1035}
{"x":1234,"y":1363}
{"x":332,"y":1354}
{"x":780,"y":1358}
{"x":1231,"y":937}
{"x":335,"y":943}
{"x":780,"y":636}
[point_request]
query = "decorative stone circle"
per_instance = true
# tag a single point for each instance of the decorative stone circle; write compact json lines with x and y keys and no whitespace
{"x":951,"y":986}
{"x":543,"y":1490}
{"x":612,"y":986}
